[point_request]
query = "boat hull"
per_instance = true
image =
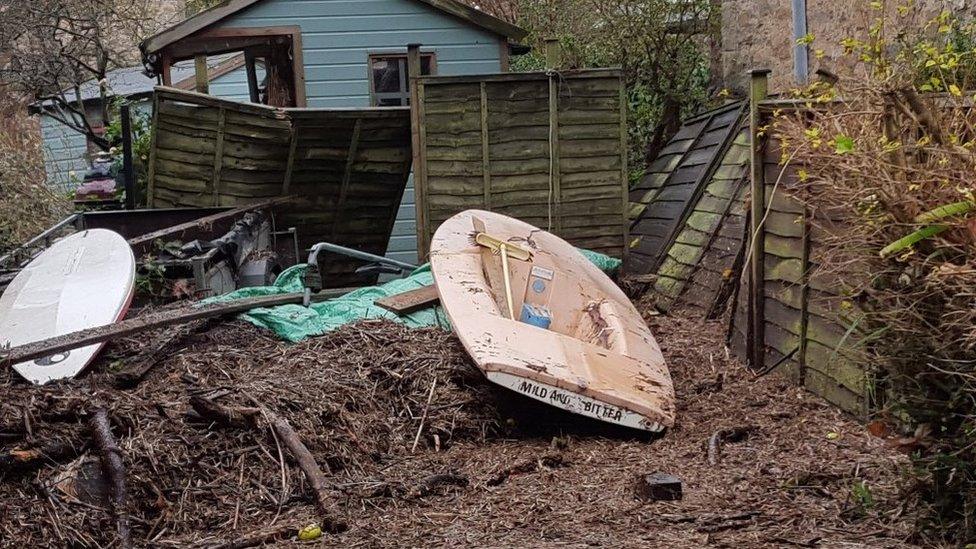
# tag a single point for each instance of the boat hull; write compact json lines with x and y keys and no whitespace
{"x":591,"y":353}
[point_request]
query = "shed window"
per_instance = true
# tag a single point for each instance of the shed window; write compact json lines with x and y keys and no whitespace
{"x":389,"y":78}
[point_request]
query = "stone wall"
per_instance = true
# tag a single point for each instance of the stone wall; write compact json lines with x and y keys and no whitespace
{"x":759,"y":34}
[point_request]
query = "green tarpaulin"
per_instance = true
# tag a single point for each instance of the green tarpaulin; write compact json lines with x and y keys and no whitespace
{"x":295,"y":322}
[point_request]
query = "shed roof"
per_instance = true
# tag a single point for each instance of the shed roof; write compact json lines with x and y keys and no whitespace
{"x":227,"y":8}
{"x":132,"y":81}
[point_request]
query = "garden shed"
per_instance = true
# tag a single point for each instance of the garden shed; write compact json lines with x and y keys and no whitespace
{"x":337,"y":54}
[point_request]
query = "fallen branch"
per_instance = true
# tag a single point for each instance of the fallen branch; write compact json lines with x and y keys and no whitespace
{"x":21,"y":460}
{"x":721,"y":436}
{"x":428,"y":485}
{"x":246,"y":418}
{"x":111,"y":457}
{"x":225,"y":416}
{"x":550,"y":461}
{"x":306,"y":461}
{"x":258,"y":538}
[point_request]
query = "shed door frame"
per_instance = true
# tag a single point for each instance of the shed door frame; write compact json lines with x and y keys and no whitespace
{"x":222,"y":40}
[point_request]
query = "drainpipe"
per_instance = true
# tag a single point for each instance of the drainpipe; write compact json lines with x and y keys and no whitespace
{"x":801,"y":52}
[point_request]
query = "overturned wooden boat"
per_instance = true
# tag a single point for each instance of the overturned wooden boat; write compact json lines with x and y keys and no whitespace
{"x":539,"y":318}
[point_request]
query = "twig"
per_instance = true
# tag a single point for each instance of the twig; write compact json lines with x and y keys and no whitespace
{"x":423,"y":417}
{"x":111,"y":457}
{"x":735,"y":434}
{"x":258,"y":538}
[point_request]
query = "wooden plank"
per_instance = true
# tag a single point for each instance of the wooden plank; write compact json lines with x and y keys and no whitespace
{"x":125,"y":328}
{"x":485,"y":148}
{"x":218,"y":155}
{"x":409,"y":302}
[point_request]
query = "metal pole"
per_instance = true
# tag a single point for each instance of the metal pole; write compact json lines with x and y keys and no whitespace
{"x":758,"y":90}
{"x":128,"y":177}
{"x":801,"y":52}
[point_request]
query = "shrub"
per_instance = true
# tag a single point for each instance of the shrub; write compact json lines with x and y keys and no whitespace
{"x":27,"y":204}
{"x":891,"y":157}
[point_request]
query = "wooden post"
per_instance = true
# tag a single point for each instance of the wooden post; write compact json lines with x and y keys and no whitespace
{"x":553,"y":53}
{"x":252,"y":76}
{"x":419,"y":175}
{"x":485,"y":149}
{"x":128,"y":174}
{"x":624,"y":175}
{"x":758,"y":90}
{"x":555,"y":206}
{"x":200,"y":68}
{"x":804,"y":296}
{"x":150,"y":194}
{"x":165,"y":71}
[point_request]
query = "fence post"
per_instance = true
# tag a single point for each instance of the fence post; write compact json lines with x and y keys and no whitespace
{"x":128,"y":178}
{"x":758,"y":90}
{"x":553,"y":53}
{"x":419,"y":178}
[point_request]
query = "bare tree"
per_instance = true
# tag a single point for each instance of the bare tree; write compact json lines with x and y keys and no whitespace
{"x":53,"y":50}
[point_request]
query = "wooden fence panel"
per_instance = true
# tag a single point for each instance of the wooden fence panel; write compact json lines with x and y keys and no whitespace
{"x":346,"y":168}
{"x":661,"y":203}
{"x":549,"y":150}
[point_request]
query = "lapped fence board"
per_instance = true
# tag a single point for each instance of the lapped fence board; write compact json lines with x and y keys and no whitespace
{"x":345,"y":168}
{"x":550,"y":150}
{"x":663,"y":199}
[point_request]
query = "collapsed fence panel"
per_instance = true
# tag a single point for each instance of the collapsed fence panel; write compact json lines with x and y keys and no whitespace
{"x":346,"y":168}
{"x":811,"y":332}
{"x":549,"y":149}
{"x":697,"y":269}
{"x":662,"y":201}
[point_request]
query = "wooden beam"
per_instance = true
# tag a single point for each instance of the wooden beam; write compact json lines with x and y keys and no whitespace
{"x":553,"y":53}
{"x":290,"y":161}
{"x":411,"y":301}
{"x":218,"y":156}
{"x":346,"y":177}
{"x":166,"y":71}
{"x":758,"y":90}
{"x":200,"y":71}
{"x":125,"y":328}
